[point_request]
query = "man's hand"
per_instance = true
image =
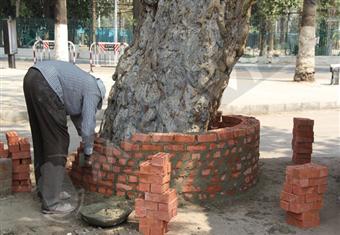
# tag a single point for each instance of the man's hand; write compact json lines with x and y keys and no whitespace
{"x":85,"y":160}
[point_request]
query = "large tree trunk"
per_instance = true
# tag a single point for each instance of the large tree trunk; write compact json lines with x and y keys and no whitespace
{"x":173,"y":76}
{"x":60,"y":31}
{"x":305,"y":62}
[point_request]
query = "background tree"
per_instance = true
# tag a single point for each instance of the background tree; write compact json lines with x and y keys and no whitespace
{"x":60,"y":31}
{"x":264,"y":15}
{"x":305,"y":62}
{"x":173,"y":76}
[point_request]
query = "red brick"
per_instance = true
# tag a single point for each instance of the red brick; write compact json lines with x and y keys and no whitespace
{"x":21,"y":176}
{"x":209,"y":137}
{"x":303,"y":121}
{"x":194,"y":148}
{"x":291,"y":197}
{"x":287,"y":188}
{"x":302,"y":191}
{"x":140,"y":137}
{"x":21,"y":168}
{"x":106,"y":167}
{"x":155,"y":179}
{"x":24,"y":144}
{"x":127,"y":146}
{"x":313,"y":197}
{"x":144,"y":187}
{"x":123,"y":186}
{"x":168,"y":206}
{"x":162,"y":137}
{"x":174,"y":147}
{"x":322,"y":188}
{"x":150,"y":147}
{"x":12,"y":137}
{"x":20,"y":155}
{"x":159,"y":188}
{"x":225,"y":133}
{"x":302,"y":223}
{"x":309,"y":215}
{"x":161,"y":215}
{"x":184,"y":138}
{"x":317,"y":181}
{"x":133,"y":179}
{"x":123,"y":161}
{"x":164,"y":198}
{"x":13,"y":148}
{"x":160,"y":159}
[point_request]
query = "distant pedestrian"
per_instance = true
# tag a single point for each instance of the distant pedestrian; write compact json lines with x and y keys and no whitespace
{"x":53,"y":90}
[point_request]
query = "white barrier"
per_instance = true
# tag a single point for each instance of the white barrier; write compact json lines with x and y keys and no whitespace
{"x":106,"y":54}
{"x":42,"y":50}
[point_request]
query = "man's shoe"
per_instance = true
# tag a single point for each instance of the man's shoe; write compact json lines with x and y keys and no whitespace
{"x":60,"y":208}
{"x":64,"y":195}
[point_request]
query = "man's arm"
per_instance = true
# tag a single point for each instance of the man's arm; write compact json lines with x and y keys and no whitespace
{"x":88,"y":123}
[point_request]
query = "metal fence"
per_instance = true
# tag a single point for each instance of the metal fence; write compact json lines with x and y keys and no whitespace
{"x":80,"y":32}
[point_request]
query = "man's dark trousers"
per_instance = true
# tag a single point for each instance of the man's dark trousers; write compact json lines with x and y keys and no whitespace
{"x":48,"y":123}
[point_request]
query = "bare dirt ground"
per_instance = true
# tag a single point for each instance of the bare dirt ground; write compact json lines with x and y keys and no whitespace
{"x":255,"y":213}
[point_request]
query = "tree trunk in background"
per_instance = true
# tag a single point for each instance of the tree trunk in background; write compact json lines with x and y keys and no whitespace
{"x":136,"y":11}
{"x":94,"y":19}
{"x":173,"y":76}
{"x":270,"y":40}
{"x":282,"y":32}
{"x":263,"y":38}
{"x":60,"y":31}
{"x":17,"y":8}
{"x":305,"y":62}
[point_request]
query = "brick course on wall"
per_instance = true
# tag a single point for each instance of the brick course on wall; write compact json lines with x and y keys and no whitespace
{"x":220,"y":162}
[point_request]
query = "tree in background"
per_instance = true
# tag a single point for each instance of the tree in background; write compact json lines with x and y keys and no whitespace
{"x":264,"y":15}
{"x":60,"y":31}
{"x":305,"y":61}
{"x":172,"y":78}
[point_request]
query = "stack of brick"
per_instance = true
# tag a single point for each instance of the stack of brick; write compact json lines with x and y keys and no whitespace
{"x":303,"y":138}
{"x":303,"y":193}
{"x":19,"y":152}
{"x":160,"y":202}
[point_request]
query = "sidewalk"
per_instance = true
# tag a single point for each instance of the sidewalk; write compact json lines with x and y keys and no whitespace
{"x":252,"y":90}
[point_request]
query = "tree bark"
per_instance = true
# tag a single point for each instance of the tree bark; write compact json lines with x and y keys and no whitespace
{"x":305,"y":62}
{"x":173,"y":76}
{"x":60,"y":31}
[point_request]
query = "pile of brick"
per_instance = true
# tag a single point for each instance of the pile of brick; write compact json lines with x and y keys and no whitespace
{"x":159,"y":204}
{"x":303,"y":138}
{"x":302,"y":195}
{"x":19,"y":152}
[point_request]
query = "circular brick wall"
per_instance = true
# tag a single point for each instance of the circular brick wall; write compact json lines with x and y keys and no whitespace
{"x":220,"y":162}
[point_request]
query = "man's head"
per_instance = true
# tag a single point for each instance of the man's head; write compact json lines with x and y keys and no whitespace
{"x":102,"y":90}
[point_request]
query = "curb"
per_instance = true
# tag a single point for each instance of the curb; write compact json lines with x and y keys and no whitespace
{"x":15,"y":116}
{"x":278,"y":108}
